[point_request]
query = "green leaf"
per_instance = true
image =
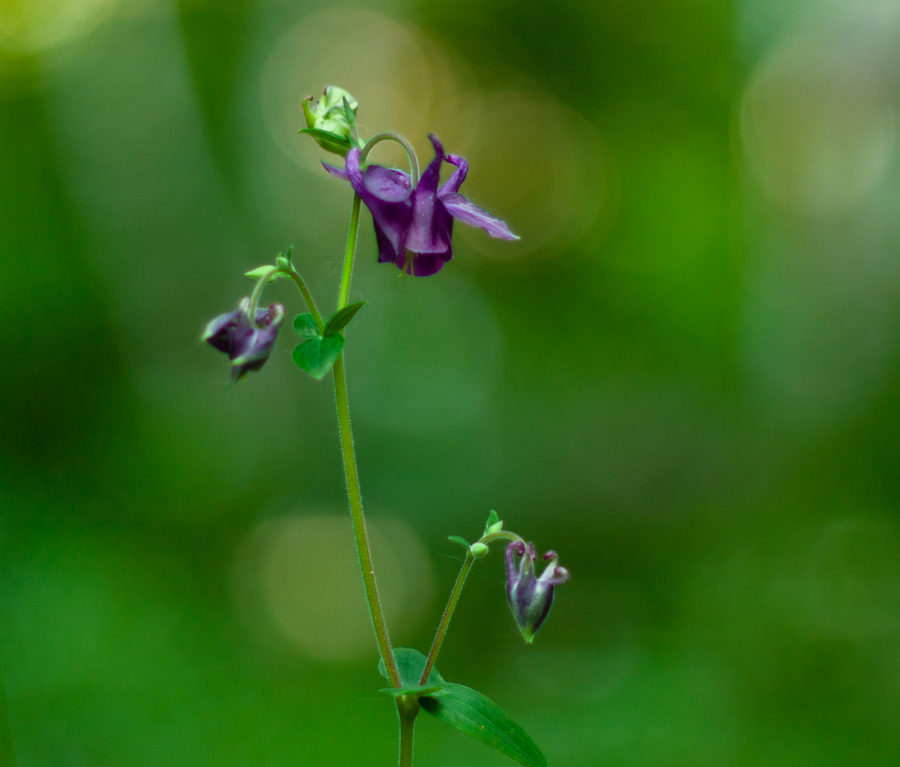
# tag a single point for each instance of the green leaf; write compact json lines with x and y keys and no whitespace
{"x":418,"y":690}
{"x":411,"y":664}
{"x":341,"y":318}
{"x":494,"y":525}
{"x":256,"y":274}
{"x":348,"y":113}
{"x":317,"y":355}
{"x":326,"y":136}
{"x":477,"y":715}
{"x":305,"y":326}
{"x":457,"y":539}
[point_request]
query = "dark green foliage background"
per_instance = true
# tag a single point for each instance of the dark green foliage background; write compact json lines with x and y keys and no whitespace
{"x":734,"y":539}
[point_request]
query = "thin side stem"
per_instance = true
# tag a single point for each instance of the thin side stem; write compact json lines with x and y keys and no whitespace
{"x":445,"y":619}
{"x":307,"y":296}
{"x":359,"y":524}
{"x":344,"y":295}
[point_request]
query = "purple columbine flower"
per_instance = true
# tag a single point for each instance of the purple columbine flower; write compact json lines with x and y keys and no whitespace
{"x":531,"y":598}
{"x":414,"y":227}
{"x":247,"y":347}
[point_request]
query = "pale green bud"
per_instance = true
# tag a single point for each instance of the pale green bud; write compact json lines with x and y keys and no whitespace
{"x":331,"y":120}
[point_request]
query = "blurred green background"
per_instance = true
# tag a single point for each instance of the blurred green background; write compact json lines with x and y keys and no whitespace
{"x":685,"y":379}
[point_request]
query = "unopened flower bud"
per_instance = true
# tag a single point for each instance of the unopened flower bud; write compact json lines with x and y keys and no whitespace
{"x":478,"y":550}
{"x":328,"y":121}
{"x":248,"y":345}
{"x":530,"y":598}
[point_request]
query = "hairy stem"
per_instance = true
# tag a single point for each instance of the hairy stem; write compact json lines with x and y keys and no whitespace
{"x":344,"y":295}
{"x":359,"y":524}
{"x":307,"y":296}
{"x":350,"y":472}
{"x":408,"y":709}
{"x":448,"y":614}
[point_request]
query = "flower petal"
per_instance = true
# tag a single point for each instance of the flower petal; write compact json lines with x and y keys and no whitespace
{"x":459,"y":175}
{"x":468,"y":212}
{"x":387,"y":184}
{"x":391,"y":217}
{"x":431,"y":227}
{"x":335,"y":171}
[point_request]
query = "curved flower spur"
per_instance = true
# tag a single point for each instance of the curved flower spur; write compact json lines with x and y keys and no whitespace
{"x":414,"y":223}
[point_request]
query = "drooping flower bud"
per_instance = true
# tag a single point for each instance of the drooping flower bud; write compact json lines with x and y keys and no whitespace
{"x":330,"y":120}
{"x":247,"y":345}
{"x":531,"y":598}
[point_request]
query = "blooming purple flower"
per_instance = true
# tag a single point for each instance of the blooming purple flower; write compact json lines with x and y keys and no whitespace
{"x":414,"y":227}
{"x":531,"y":598}
{"x":247,"y":346}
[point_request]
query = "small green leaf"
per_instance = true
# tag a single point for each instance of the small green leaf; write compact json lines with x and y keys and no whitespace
{"x":306,"y":326}
{"x":317,"y":355}
{"x":457,"y":539}
{"x":418,"y":690}
{"x":493,"y":521}
{"x":348,"y":113}
{"x":341,"y":318}
{"x":477,"y":715}
{"x":326,"y":136}
{"x":257,"y":274}
{"x":411,"y":664}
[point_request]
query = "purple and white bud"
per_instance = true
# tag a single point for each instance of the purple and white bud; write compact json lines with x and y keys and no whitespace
{"x":247,"y":345}
{"x":530,"y":598}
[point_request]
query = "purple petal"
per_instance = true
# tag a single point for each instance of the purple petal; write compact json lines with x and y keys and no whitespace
{"x":430,"y":227}
{"x":335,"y":171}
{"x":469,"y":213}
{"x":459,"y":175}
{"x":425,"y":264}
{"x":386,"y":183}
{"x":391,"y":217}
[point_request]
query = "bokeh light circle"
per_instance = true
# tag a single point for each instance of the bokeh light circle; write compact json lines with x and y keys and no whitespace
{"x":403,"y":81}
{"x":33,"y":26}
{"x":543,"y":168}
{"x":818,"y":128}
{"x":298,"y":582}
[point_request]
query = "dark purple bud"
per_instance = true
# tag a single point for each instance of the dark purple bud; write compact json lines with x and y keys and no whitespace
{"x":247,"y":345}
{"x":530,"y":598}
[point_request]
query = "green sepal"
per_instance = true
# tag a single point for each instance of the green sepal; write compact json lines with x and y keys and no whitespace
{"x":494,"y":525}
{"x":305,"y":326}
{"x":284,"y":259}
{"x":349,"y":114}
{"x":317,"y":355}
{"x":418,"y":690}
{"x":457,"y":539}
{"x":257,"y":274}
{"x":330,"y":142}
{"x":341,"y":318}
{"x":478,"y":716}
{"x":411,"y":664}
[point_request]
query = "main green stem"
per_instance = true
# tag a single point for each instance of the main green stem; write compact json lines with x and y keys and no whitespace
{"x":356,"y":510}
{"x":408,"y":710}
